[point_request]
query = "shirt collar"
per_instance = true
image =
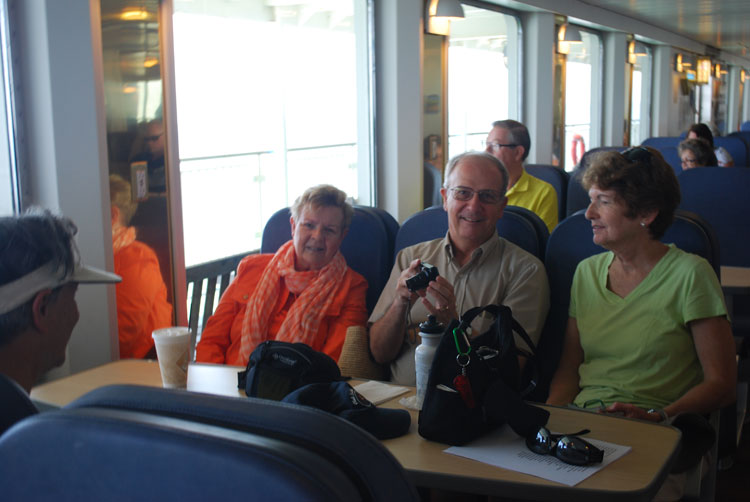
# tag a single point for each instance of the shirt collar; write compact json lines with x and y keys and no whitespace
{"x":522,"y":185}
{"x":485,"y":249}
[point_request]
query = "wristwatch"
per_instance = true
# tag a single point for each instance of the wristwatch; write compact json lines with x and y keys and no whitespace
{"x":660,"y":412}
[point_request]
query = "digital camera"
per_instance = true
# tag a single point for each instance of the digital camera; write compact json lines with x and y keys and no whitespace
{"x":421,"y":279}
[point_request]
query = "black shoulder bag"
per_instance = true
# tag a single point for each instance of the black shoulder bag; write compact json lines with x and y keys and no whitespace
{"x":475,"y":386}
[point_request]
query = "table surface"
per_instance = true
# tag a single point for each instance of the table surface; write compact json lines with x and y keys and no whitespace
{"x":735,"y":279}
{"x":635,"y":476}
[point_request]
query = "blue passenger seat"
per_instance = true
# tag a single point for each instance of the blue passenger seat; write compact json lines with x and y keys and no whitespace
{"x":16,"y":404}
{"x":518,"y":225}
{"x":366,"y":246}
{"x":142,"y":443}
{"x":391,"y":226}
{"x":720,"y":196}
{"x":745,"y":137}
{"x":555,"y":177}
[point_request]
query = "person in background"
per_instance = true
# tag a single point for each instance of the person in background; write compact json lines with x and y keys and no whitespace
{"x":702,"y":131}
{"x":39,"y":273}
{"x":476,"y":267}
{"x":303,"y":293}
{"x":648,"y":335}
{"x":153,"y":154}
{"x":509,"y":142}
{"x":142,"y":304}
{"x":696,"y":153}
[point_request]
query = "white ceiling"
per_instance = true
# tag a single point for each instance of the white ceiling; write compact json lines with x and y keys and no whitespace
{"x":701,"y":26}
{"x":724,"y":24}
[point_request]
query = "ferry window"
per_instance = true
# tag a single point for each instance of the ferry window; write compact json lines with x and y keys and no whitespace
{"x":272,"y":98}
{"x":483,"y":76}
{"x":582,"y":98}
{"x":719,"y":90}
{"x":9,"y":198}
{"x":640,"y":102}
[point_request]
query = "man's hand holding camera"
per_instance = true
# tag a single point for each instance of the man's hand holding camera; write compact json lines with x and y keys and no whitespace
{"x":422,"y":280}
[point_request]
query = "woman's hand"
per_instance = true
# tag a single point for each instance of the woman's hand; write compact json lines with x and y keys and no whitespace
{"x":631,"y":411}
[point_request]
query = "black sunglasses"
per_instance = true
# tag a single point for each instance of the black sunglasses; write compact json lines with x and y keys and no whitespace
{"x":637,"y":154}
{"x":569,"y":448}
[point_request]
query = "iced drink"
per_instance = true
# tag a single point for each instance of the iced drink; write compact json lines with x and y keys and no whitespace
{"x":173,"y":353}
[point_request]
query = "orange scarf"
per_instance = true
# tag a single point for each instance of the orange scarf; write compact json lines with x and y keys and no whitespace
{"x":317,"y":288}
{"x":122,"y":236}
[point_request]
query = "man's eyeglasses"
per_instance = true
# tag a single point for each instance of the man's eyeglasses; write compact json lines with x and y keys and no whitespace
{"x":155,"y":137}
{"x":485,"y":196}
{"x":497,"y":146}
{"x":569,"y":448}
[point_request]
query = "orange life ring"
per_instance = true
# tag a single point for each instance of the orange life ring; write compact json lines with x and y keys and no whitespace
{"x":576,"y":155}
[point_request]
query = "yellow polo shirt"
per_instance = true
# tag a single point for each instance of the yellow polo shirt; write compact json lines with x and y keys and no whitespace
{"x":537,"y":196}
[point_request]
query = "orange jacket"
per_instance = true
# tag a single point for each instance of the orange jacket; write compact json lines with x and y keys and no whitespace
{"x":221,"y":339}
{"x":141,"y":299}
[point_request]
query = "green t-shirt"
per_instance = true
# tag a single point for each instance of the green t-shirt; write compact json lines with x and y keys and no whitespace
{"x":639,"y":349}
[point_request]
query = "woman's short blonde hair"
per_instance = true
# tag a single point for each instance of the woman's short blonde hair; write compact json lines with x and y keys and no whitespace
{"x":121,"y":197}
{"x":324,"y":196}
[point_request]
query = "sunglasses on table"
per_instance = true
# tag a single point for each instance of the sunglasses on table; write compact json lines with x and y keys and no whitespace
{"x":569,"y":448}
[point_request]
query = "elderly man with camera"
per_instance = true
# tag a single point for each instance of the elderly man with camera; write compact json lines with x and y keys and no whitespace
{"x":476,"y":267}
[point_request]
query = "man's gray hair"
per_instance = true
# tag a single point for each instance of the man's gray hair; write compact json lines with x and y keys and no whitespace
{"x":478,"y":155}
{"x":27,"y":242}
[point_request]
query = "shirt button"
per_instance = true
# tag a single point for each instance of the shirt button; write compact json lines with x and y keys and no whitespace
{"x":245,"y":297}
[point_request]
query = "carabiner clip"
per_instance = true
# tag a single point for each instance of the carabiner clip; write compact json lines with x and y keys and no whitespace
{"x":466,"y":341}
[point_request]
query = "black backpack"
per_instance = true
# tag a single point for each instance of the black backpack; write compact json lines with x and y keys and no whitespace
{"x":277,"y":368}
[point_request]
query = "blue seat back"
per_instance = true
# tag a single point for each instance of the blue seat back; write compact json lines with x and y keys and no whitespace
{"x":555,"y":177}
{"x":365,"y":247}
{"x":672,"y":156}
{"x":720,"y":196}
{"x":16,"y":405}
{"x":391,"y":226}
{"x":570,"y":243}
{"x":745,"y":137}
{"x":745,"y":126}
{"x":660,"y":142}
{"x":96,"y":454}
{"x":577,"y":197}
{"x":368,"y":465}
{"x":518,"y":225}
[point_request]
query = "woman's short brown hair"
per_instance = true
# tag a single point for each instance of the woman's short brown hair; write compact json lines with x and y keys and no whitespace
{"x":324,"y":196}
{"x":642,"y":179}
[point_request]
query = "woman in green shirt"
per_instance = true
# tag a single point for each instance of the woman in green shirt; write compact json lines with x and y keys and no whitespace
{"x":647,"y":335}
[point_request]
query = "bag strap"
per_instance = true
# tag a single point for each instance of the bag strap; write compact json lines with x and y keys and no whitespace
{"x":504,"y":313}
{"x":501,"y":312}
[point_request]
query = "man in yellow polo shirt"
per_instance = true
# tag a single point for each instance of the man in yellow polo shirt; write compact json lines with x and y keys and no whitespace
{"x":509,"y":142}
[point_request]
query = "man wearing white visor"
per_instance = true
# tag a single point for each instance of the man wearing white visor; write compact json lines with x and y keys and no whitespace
{"x":40,"y":271}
